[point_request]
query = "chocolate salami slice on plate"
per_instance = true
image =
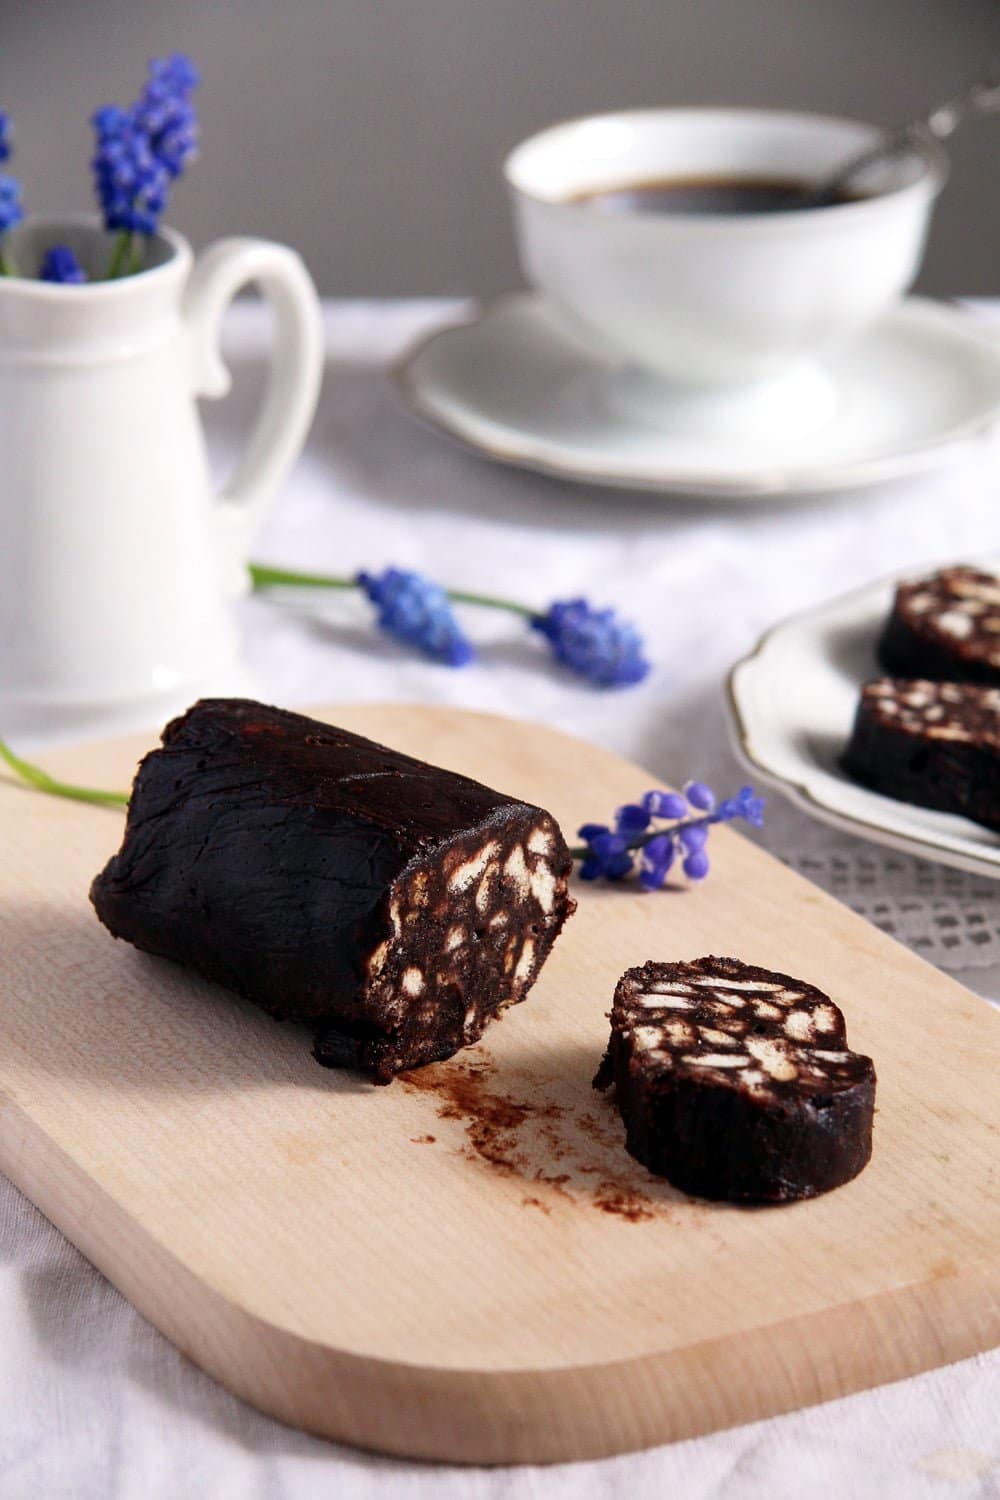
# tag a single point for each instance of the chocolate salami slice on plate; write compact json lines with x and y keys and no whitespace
{"x":737,"y":1083}
{"x":945,"y":626}
{"x":393,"y":907}
{"x":936,"y":744}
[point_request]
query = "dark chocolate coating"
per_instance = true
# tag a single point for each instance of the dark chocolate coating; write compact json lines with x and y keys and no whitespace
{"x":944,"y":627}
{"x":391,"y":906}
{"x":949,"y":762}
{"x":769,"y":1107}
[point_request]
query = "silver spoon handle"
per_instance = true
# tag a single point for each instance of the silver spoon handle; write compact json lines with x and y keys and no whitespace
{"x":982,"y":98}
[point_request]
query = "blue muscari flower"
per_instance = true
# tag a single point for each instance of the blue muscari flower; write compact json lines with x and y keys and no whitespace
{"x":746,"y":805}
{"x":665,"y":804}
{"x":594,"y":643}
{"x":60,"y":265}
{"x":607,"y":853}
{"x":612,"y":853}
{"x":6,"y":145}
{"x":11,"y":207}
{"x":657,"y":857}
{"x":700,"y":796}
{"x":417,"y":612}
{"x":631,"y":819}
{"x":175,"y":75}
{"x":694,"y":837}
{"x":131,"y":182}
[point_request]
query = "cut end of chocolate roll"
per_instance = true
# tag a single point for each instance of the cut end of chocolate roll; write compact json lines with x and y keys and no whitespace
{"x":736,"y":1083}
{"x":393,"y":907}
{"x":945,"y":627}
{"x":935,"y":744}
{"x":468,"y":930}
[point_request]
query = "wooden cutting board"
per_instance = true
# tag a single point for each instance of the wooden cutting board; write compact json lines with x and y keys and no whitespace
{"x":466,"y":1265}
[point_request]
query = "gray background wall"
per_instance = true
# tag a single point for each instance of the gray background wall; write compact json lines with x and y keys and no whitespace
{"x":368,"y":132}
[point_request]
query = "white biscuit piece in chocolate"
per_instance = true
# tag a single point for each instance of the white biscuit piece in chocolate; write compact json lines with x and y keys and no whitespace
{"x":737,"y":1083}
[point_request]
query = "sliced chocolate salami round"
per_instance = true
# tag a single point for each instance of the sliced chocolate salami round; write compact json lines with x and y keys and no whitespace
{"x":946,"y":627}
{"x":737,"y":1083}
{"x":936,"y":744}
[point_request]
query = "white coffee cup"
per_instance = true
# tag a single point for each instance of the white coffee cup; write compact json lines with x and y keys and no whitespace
{"x":717,"y":300}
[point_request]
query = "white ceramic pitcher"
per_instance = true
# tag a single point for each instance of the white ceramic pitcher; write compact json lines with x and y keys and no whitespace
{"x":118,"y":564}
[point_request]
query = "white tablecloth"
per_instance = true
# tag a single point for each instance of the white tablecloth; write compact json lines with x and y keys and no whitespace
{"x":93,"y":1402}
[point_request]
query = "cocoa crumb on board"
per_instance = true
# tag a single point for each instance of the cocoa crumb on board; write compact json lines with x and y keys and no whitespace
{"x":613,"y":1198}
{"x":513,"y":1125}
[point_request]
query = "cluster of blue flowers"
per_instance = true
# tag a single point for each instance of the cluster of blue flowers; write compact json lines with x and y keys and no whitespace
{"x":142,"y":149}
{"x":11,"y":207}
{"x":417,"y":612}
{"x":612,"y":853}
{"x":131,"y":183}
{"x":140,"y":152}
{"x":593,"y":643}
{"x":165,"y":112}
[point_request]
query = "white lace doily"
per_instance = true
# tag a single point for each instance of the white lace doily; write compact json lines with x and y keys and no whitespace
{"x":945,"y":915}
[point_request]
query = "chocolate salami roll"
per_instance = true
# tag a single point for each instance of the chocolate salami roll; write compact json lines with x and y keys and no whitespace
{"x":945,"y":627}
{"x":737,"y":1083}
{"x":936,"y":744}
{"x":393,"y":907}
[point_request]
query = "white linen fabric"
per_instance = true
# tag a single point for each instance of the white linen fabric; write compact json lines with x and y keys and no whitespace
{"x":93,"y":1402}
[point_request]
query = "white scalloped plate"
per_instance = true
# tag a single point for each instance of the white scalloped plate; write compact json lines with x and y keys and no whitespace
{"x":791,"y":705}
{"x":517,"y":385}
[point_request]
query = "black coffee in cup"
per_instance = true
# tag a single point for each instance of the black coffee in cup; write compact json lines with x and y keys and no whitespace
{"x":703,"y":195}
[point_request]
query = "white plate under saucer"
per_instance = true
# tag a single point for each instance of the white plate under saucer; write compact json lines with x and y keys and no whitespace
{"x":791,"y":706}
{"x":519,"y":385}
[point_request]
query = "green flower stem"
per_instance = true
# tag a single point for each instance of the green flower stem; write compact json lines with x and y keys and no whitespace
{"x":7,"y":266}
{"x":265,"y":577}
{"x":43,"y":782}
{"x":489,"y":601}
{"x":121,"y":256}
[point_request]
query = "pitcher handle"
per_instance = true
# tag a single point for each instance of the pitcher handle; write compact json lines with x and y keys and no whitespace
{"x":293,"y":386}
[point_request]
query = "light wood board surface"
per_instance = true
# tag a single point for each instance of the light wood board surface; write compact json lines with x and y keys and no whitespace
{"x":466,"y":1265}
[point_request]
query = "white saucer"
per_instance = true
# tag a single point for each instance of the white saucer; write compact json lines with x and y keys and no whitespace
{"x":791,"y":707}
{"x":520,"y":386}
